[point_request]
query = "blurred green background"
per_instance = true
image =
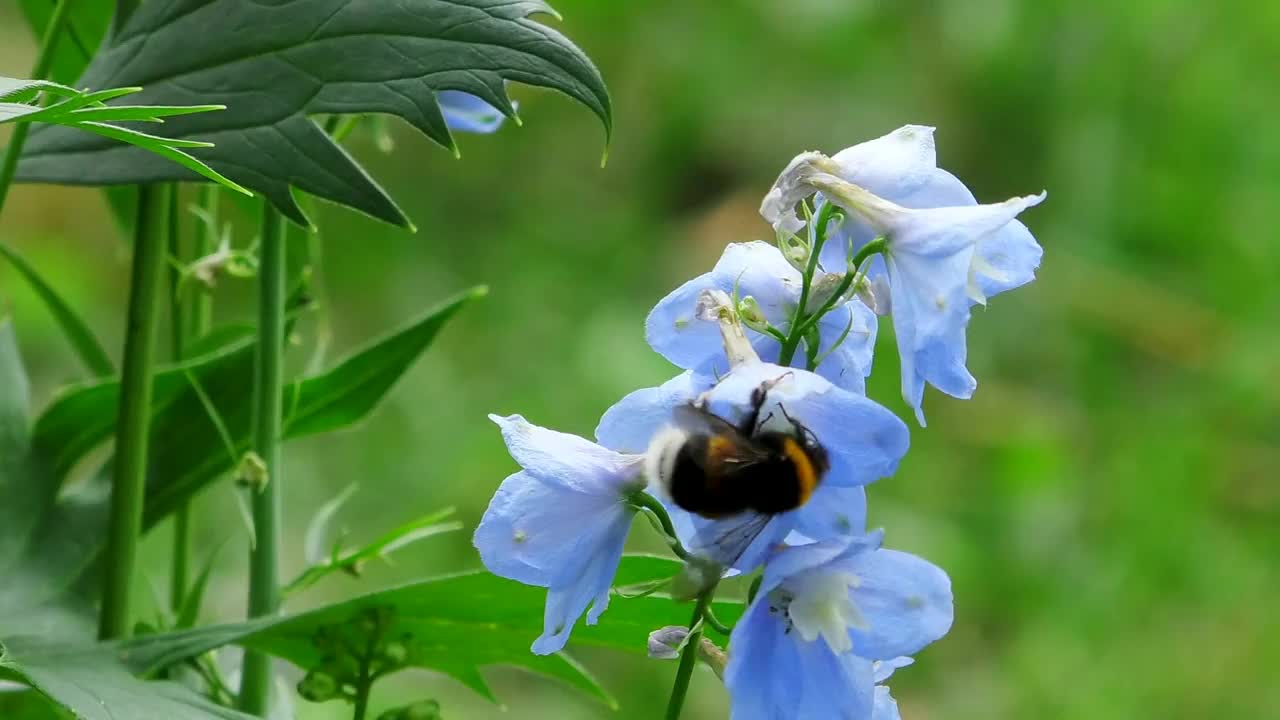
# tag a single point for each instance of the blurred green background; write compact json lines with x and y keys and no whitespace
{"x":1108,"y":504}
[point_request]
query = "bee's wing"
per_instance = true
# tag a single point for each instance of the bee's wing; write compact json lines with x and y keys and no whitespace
{"x":737,"y":454}
{"x":700,"y":421}
{"x":724,"y":541}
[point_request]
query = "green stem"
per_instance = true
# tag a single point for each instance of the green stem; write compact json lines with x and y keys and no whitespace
{"x":688,"y":657}
{"x":44,"y":61}
{"x":181,"y":555}
{"x":134,"y":419}
{"x":806,"y":283}
{"x":647,"y":503}
{"x":191,"y":319}
{"x":264,"y":572}
{"x":874,"y":247}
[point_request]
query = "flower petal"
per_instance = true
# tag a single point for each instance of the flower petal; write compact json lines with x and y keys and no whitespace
{"x":755,"y":269}
{"x":532,"y":529}
{"x":773,"y":675}
{"x":885,"y":707}
{"x":905,"y":600}
{"x":568,"y":461}
{"x":833,"y":512}
{"x":468,"y":113}
{"x":849,"y":365}
{"x":630,"y":424}
{"x":585,"y":580}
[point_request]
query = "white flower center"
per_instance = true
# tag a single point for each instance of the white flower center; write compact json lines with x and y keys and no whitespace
{"x":820,"y":605}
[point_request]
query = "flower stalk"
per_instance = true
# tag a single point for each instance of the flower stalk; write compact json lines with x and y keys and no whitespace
{"x":688,"y":656}
{"x":44,"y":61}
{"x":134,"y":418}
{"x":264,"y":573}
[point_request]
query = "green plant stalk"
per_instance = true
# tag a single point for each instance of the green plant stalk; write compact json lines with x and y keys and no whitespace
{"x":48,"y":45}
{"x":806,"y":284}
{"x":134,"y":419}
{"x":264,"y":571}
{"x":191,"y":318}
{"x":688,"y":657}
{"x":181,"y":555}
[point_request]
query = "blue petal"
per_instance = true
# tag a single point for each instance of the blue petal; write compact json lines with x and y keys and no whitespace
{"x":930,"y":312}
{"x":584,"y":581}
{"x":833,"y":512}
{"x":788,"y":562}
{"x":756,"y":269}
{"x":630,"y":424}
{"x":532,"y":529}
{"x":885,"y":708}
{"x":569,"y":461}
{"x":1014,"y":254}
{"x":849,"y":364}
{"x":468,"y":113}
{"x":905,"y":600}
{"x":885,"y":668}
{"x":775,"y":675}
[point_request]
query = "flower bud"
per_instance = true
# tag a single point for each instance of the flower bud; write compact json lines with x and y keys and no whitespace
{"x":752,"y":314}
{"x":318,"y":686}
{"x":665,"y":643}
{"x":395,"y":653}
{"x":252,"y":472}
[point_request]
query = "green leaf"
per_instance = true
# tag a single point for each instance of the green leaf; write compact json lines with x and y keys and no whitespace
{"x":86,"y":344}
{"x":469,"y":621}
{"x":187,"y":448}
{"x":19,"y":102}
{"x":274,"y":64}
{"x":86,"y":27}
{"x":94,"y":684}
{"x":351,"y":561}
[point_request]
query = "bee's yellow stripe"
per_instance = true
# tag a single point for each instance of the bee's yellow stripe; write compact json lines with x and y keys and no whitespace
{"x":806,"y":473}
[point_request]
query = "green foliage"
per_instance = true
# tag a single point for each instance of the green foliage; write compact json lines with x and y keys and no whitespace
{"x":455,"y":625}
{"x":93,"y":684}
{"x":87,"y":111}
{"x":351,"y":561}
{"x":190,"y":446}
{"x":82,"y":339}
{"x":331,"y":56}
{"x":86,"y":27}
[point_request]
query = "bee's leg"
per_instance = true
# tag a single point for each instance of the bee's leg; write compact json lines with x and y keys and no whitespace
{"x":802,"y":432}
{"x":752,"y":420}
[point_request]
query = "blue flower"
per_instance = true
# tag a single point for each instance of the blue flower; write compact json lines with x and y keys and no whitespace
{"x":944,"y":252}
{"x":864,"y":441}
{"x":758,"y":270}
{"x":886,"y":708}
{"x":807,"y":647}
{"x":559,"y":523}
{"x":468,"y":113}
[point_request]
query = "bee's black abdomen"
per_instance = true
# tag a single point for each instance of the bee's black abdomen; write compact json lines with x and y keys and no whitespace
{"x":695,"y":490}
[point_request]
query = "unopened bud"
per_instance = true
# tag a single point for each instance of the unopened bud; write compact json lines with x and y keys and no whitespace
{"x":665,"y":643}
{"x":318,"y":686}
{"x":752,"y":314}
{"x":395,"y":653}
{"x":252,"y":472}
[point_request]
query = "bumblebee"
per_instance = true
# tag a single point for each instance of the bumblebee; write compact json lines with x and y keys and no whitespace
{"x":718,"y":470}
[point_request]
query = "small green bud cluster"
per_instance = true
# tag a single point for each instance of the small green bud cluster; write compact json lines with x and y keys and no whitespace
{"x":356,"y":653}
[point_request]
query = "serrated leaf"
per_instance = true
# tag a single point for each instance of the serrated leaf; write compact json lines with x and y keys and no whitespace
{"x":274,"y":64}
{"x":82,"y":339}
{"x":83,"y":111}
{"x":468,"y":621}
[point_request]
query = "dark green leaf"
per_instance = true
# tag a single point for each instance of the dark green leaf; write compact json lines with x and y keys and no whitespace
{"x":274,"y":64}
{"x":82,"y":339}
{"x":19,"y":102}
